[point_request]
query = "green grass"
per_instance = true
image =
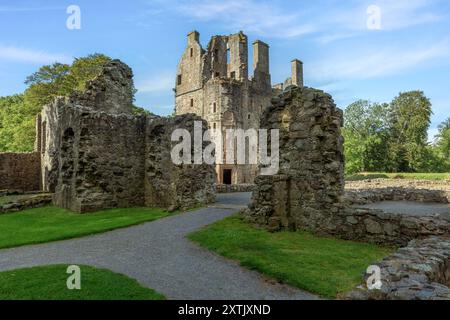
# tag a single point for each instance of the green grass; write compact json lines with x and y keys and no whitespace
{"x":49,"y":283}
{"x":51,"y":223}
{"x":320,"y":265}
{"x":413,"y":176}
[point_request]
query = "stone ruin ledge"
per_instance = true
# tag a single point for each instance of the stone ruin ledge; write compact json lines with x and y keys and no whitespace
{"x":378,"y":226}
{"x":376,"y":190}
{"x":230,"y":188}
{"x":443,"y":185}
{"x":420,"y":271}
{"x":366,"y":196}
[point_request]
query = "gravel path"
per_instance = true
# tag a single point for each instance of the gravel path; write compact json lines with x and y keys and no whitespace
{"x":158,"y":255}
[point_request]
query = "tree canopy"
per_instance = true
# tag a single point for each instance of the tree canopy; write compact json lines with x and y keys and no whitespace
{"x":393,"y":137}
{"x":18,"y":112}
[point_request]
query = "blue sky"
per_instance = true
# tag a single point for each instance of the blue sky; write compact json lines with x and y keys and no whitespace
{"x":340,"y":53}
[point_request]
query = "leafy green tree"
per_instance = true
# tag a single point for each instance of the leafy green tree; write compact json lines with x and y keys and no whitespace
{"x":17,"y":124}
{"x":18,"y":113}
{"x":61,"y":79}
{"x":410,"y":119}
{"x":366,"y":133}
{"x":443,"y":143}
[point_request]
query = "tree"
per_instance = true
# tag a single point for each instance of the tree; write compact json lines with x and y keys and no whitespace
{"x":61,"y":79}
{"x":410,"y":119}
{"x":17,"y":124}
{"x":443,"y":142}
{"x":366,"y":133}
{"x":18,"y":112}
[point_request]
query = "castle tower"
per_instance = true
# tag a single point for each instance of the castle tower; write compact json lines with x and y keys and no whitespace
{"x":261,"y":72}
{"x":297,"y":73}
{"x":238,"y":57}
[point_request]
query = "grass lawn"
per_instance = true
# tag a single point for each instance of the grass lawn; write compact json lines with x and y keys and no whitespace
{"x":320,"y":265}
{"x":51,"y":223}
{"x":49,"y":283}
{"x":413,"y":176}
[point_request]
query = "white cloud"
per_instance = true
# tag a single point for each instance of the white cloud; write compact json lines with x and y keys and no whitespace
{"x":32,"y":56}
{"x":347,"y":19}
{"x":252,"y":16}
{"x":388,"y":61}
{"x":159,"y":82}
{"x":28,"y":9}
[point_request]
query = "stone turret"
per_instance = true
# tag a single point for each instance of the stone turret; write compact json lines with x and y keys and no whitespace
{"x":297,"y":73}
{"x":261,"y":63}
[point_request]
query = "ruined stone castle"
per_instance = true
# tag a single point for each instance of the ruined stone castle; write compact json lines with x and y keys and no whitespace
{"x":92,"y":153}
{"x":215,"y":84}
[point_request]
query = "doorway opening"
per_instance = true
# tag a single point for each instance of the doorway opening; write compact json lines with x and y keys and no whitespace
{"x":227,"y":176}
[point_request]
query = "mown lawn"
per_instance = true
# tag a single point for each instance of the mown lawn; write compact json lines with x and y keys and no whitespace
{"x":320,"y":265}
{"x":51,"y":223}
{"x":50,"y":283}
{"x":413,"y":176}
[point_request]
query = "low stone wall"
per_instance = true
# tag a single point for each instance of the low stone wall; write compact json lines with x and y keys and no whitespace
{"x":365,"y":196}
{"x":27,"y":202}
{"x":377,"y":226}
{"x":20,"y":171}
{"x":398,"y":183}
{"x":420,"y":271}
{"x":229,"y":188}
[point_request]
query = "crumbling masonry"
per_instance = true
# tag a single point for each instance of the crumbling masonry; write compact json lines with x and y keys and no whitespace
{"x":308,"y":191}
{"x":96,"y":154}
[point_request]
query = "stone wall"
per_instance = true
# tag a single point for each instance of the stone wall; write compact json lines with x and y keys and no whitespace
{"x":420,"y":271}
{"x":365,"y":196}
{"x":377,"y":226}
{"x":308,"y":191}
{"x":109,"y":161}
{"x":17,"y":201}
{"x":309,"y":187}
{"x":167,"y":184}
{"x":398,"y":183}
{"x":101,"y":160}
{"x":97,"y":155}
{"x":230,"y":188}
{"x":20,"y":171}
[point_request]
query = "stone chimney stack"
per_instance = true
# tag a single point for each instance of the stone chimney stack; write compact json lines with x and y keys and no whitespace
{"x":297,"y":73}
{"x":261,"y":71}
{"x":193,"y":37}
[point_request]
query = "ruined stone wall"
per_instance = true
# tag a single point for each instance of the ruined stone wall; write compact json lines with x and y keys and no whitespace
{"x":167,"y":184}
{"x":20,"y":171}
{"x":308,"y":191}
{"x":111,"y":91}
{"x":420,"y":271}
{"x":309,"y":187}
{"x":101,"y":160}
{"x":95,"y":155}
{"x":111,"y":161}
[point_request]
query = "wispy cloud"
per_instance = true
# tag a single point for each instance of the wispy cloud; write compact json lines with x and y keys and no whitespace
{"x":32,"y":56}
{"x":388,"y":61}
{"x":272,"y":19}
{"x":257,"y":17}
{"x":28,"y":9}
{"x":159,"y":82}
